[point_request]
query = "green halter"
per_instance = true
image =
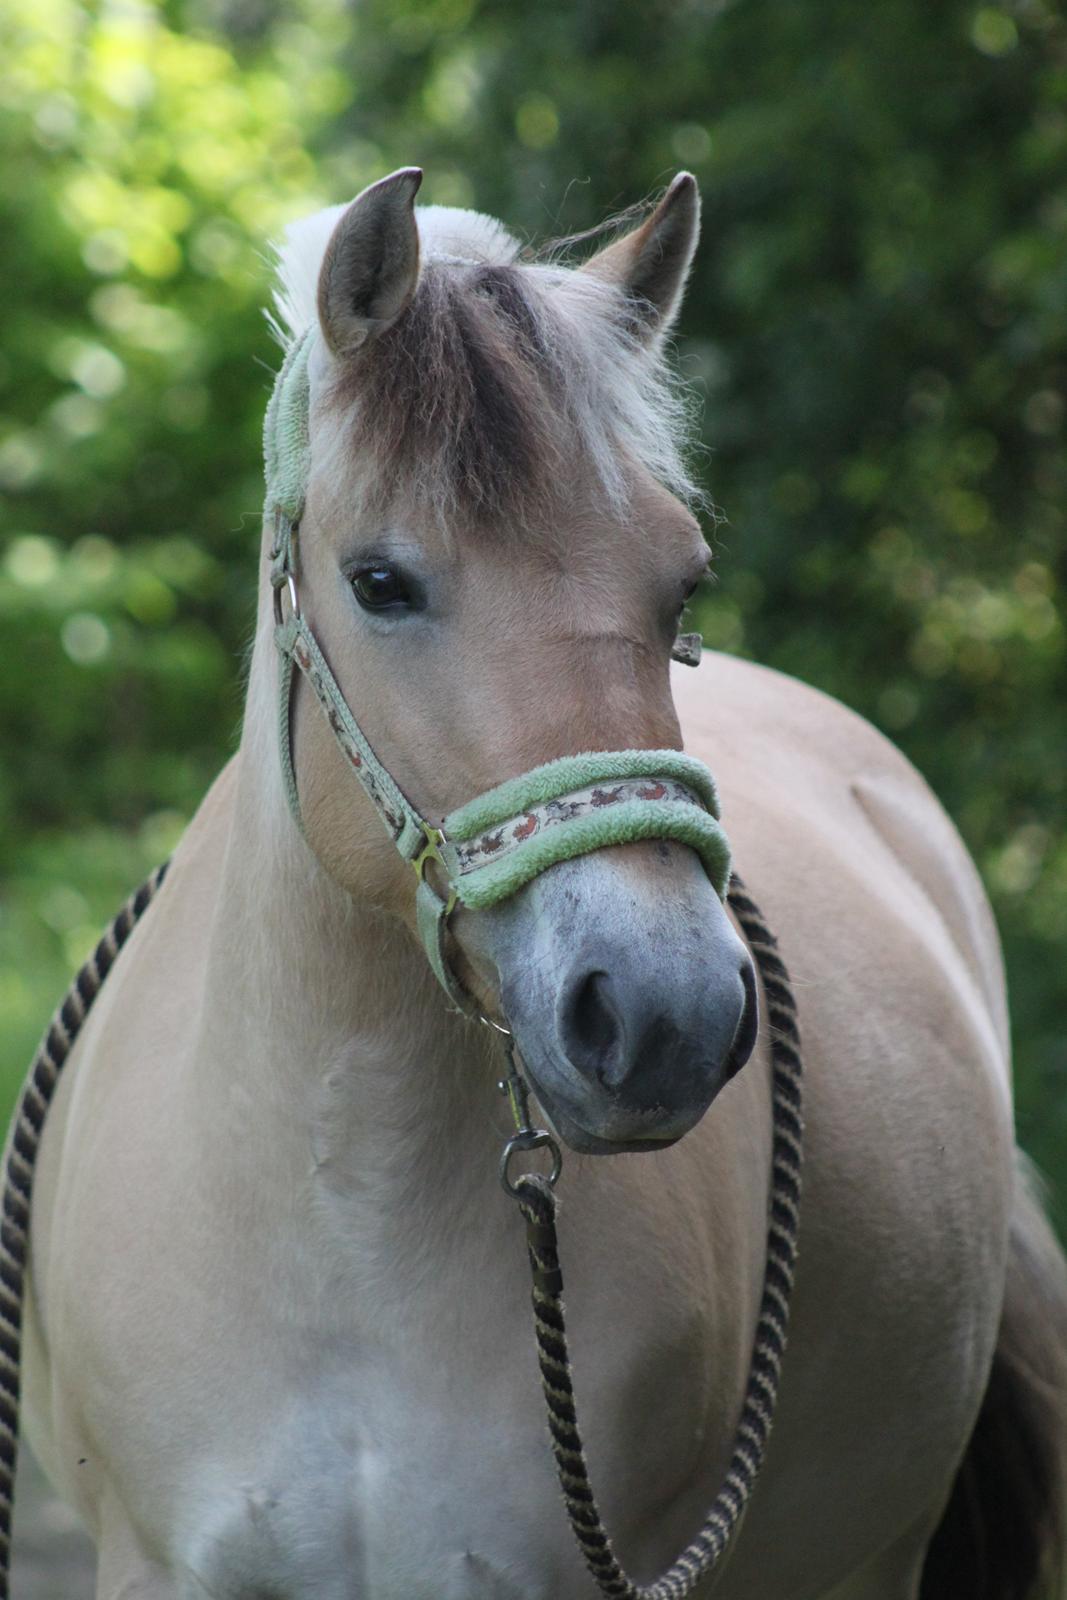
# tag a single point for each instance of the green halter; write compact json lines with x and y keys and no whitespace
{"x":490,"y":847}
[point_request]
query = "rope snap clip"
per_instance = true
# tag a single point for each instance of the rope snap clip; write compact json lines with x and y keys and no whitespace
{"x":526,"y":1137}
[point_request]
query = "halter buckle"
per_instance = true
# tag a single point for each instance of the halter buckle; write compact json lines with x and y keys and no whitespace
{"x":431,"y":851}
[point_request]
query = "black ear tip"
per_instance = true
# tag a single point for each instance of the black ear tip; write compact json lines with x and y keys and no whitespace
{"x":396,"y":188}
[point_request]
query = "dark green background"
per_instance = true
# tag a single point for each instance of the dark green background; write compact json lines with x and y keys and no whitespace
{"x":876,"y":327}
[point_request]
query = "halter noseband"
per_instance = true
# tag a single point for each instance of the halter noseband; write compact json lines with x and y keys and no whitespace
{"x":489,"y":848}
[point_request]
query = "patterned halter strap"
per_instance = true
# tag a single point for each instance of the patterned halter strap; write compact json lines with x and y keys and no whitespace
{"x":489,"y":848}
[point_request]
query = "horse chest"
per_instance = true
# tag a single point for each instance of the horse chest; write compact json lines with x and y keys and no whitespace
{"x":410,"y":1499}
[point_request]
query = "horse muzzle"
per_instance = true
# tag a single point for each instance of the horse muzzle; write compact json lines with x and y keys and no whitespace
{"x":631,"y":997}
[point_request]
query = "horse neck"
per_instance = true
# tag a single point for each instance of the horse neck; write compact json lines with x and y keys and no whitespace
{"x":324,"y":1037}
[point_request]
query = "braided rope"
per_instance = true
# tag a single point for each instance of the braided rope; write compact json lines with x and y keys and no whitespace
{"x":537,"y":1202}
{"x":24,"y":1140}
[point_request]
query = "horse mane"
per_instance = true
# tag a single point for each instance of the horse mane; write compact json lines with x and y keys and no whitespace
{"x":500,"y":369}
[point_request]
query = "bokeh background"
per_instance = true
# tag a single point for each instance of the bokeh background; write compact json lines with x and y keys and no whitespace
{"x":876,"y":329}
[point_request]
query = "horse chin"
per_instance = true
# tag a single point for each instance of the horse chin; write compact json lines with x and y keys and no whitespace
{"x":586,"y":1143}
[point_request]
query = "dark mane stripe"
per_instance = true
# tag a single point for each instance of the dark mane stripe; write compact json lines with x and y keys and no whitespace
{"x":461,"y":393}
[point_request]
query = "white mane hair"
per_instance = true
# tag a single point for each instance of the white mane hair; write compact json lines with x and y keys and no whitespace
{"x":569,"y":368}
{"x":446,"y":233}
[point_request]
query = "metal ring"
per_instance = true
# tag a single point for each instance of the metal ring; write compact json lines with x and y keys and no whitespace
{"x":430,"y":850}
{"x":481,"y":1017}
{"x":532,"y":1139}
{"x":294,"y":600}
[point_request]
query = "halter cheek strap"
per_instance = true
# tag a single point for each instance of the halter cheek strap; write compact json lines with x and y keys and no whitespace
{"x":488,"y":849}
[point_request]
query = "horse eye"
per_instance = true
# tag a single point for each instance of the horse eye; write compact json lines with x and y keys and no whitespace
{"x":380,"y":588}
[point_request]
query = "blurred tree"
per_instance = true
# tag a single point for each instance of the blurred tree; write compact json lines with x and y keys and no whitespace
{"x":876,"y":324}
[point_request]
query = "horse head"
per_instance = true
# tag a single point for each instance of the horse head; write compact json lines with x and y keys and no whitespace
{"x":495,"y":549}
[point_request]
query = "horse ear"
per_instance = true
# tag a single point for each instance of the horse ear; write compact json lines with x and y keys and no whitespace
{"x":650,"y":265}
{"x":371,"y":265}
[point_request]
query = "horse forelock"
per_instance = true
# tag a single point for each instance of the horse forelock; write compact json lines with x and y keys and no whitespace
{"x":501,"y":385}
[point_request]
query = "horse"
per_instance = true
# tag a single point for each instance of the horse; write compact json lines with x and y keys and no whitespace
{"x":276,"y":1335}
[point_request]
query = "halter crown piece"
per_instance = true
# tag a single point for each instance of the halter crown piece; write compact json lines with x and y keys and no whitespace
{"x":490,"y":847}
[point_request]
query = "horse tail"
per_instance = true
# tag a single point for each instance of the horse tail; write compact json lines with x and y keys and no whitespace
{"x":1004,"y":1532}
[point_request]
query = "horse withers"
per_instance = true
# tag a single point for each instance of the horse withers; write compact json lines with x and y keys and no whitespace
{"x":276,"y":1338}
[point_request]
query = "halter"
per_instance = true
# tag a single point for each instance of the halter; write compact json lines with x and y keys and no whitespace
{"x":490,"y":847}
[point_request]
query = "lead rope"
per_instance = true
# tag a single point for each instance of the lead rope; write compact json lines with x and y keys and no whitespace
{"x":23,"y":1142}
{"x":537,"y":1202}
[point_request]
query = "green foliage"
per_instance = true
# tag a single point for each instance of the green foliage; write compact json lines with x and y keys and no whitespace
{"x":877,"y":324}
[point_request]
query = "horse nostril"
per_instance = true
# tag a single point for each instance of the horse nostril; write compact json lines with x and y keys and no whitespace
{"x":650,"y":1045}
{"x":748,"y":1024}
{"x":591,"y":1025}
